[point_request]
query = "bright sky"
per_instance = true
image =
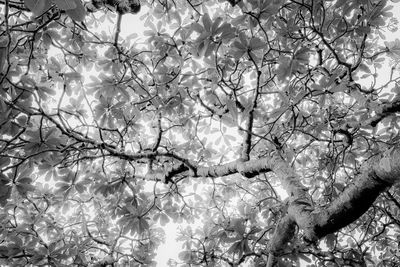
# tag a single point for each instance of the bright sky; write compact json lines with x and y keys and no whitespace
{"x":171,"y":248}
{"x":132,"y":24}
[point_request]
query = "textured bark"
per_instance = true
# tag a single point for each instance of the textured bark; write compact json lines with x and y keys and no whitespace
{"x":283,"y":233}
{"x":378,"y":174}
{"x":248,"y":169}
{"x":387,"y":110}
{"x":300,"y":203}
{"x":352,"y":203}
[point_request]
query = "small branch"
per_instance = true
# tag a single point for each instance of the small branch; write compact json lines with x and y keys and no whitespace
{"x":15,"y":5}
{"x":117,"y":30}
{"x":246,"y":146}
{"x":159,"y":134}
{"x":193,"y":7}
{"x":387,"y":110}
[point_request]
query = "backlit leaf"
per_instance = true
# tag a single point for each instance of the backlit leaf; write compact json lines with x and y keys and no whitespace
{"x":78,"y":13}
{"x":65,"y":4}
{"x":38,"y":6}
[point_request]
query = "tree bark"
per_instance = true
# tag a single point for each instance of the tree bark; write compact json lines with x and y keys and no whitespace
{"x":377,"y":175}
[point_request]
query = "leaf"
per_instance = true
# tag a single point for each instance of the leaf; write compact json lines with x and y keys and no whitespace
{"x":231,"y":105}
{"x":330,"y":241}
{"x":239,"y":226}
{"x":185,"y":255}
{"x":304,"y":257}
{"x":384,"y":163}
{"x":218,"y":141}
{"x":394,"y":47}
{"x":65,"y":4}
{"x":25,"y":180}
{"x":363,"y":67}
{"x":209,"y":50}
{"x":216,"y":24}
{"x":80,"y":187}
{"x":284,"y":69}
{"x":73,"y":76}
{"x":78,"y":13}
{"x":38,"y":7}
{"x":235,"y":247}
{"x":5,"y":190}
{"x":229,"y":137}
{"x":4,"y":161}
{"x":36,"y":258}
{"x":164,"y":219}
{"x":24,"y":188}
{"x":207,"y":22}
{"x":257,"y":43}
{"x":46,"y":90}
{"x":3,"y":53}
{"x":302,"y":54}
{"x":62,"y":187}
{"x":143,"y":225}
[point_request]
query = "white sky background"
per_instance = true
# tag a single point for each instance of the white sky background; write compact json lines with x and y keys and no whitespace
{"x":132,"y":24}
{"x":171,"y":248}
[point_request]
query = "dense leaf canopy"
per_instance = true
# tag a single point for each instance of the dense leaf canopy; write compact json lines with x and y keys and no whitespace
{"x":268,"y":128}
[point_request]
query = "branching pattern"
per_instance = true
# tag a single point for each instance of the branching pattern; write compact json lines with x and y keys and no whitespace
{"x":207,"y":118}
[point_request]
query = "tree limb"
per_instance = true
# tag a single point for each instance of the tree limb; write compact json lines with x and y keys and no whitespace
{"x":387,"y":110}
{"x":378,"y":174}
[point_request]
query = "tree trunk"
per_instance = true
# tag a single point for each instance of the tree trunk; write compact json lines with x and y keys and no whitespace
{"x":377,"y":174}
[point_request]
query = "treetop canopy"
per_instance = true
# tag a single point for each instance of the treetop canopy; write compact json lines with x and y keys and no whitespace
{"x":216,"y":109}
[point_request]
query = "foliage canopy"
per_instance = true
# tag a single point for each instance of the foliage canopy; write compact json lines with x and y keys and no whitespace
{"x":221,"y":107}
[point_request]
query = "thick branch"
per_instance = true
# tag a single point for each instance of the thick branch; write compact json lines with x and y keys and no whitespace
{"x":378,"y":173}
{"x":387,"y":110}
{"x":290,"y":180}
{"x":248,"y":169}
{"x":246,"y":146}
{"x":284,"y":232}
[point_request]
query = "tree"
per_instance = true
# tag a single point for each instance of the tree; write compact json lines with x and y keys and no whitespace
{"x":223,"y":106}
